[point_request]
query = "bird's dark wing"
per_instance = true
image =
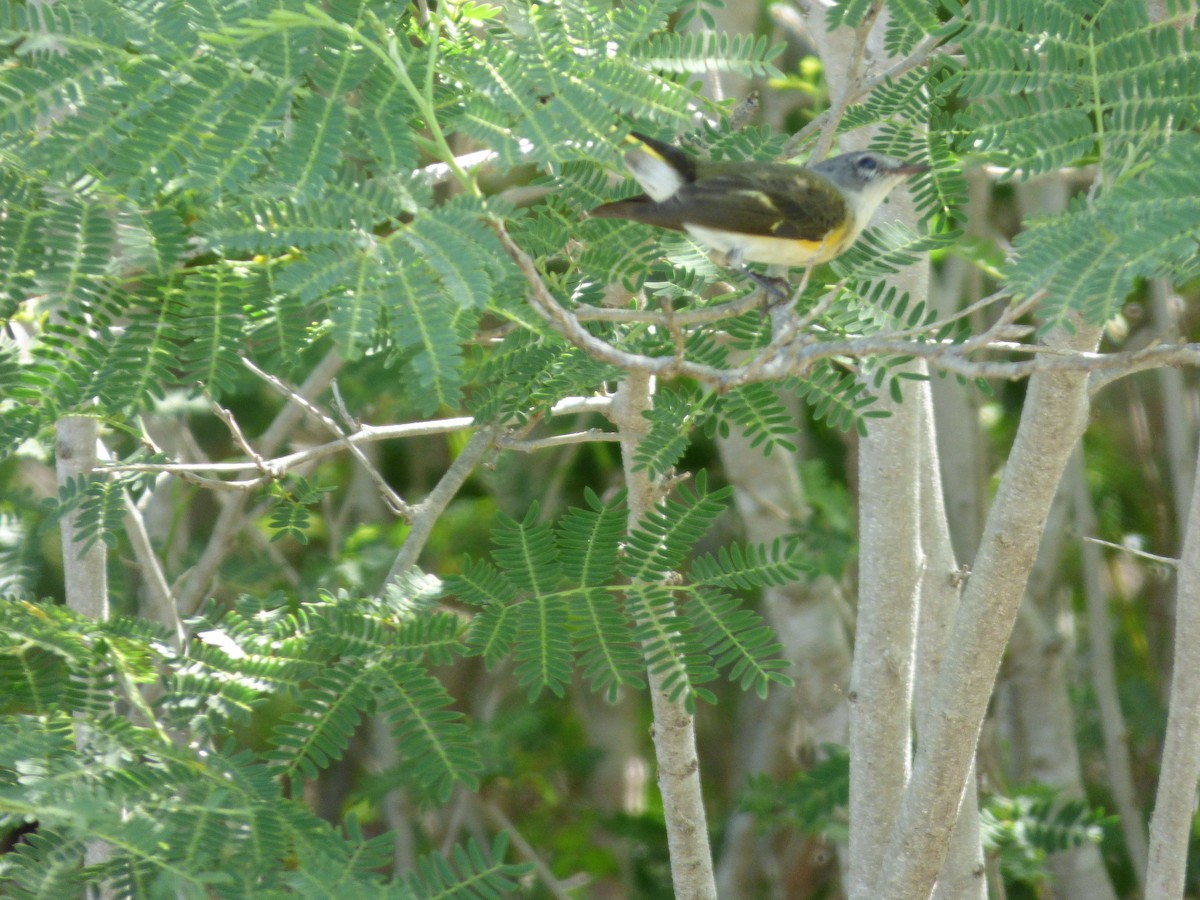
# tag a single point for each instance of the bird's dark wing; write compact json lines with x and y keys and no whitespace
{"x":641,"y":209}
{"x":768,"y":200}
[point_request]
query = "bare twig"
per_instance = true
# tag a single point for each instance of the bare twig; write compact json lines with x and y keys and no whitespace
{"x":281,"y":464}
{"x":525,"y":850}
{"x":367,"y":434}
{"x":393,"y":500}
{"x":571,"y":405}
{"x":715,"y":313}
{"x":557,"y":440}
{"x":428,"y":511}
{"x":229,"y":519}
{"x":240,"y":439}
{"x":828,"y":119}
{"x":1132,"y":551}
{"x":160,"y":604}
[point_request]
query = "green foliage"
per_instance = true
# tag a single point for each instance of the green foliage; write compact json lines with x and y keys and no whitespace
{"x":187,"y":188}
{"x":176,"y":805}
{"x":1051,"y":85}
{"x":470,"y":873}
{"x":247,"y":181}
{"x":837,"y":398}
{"x":813,"y":801}
{"x":548,"y":599}
{"x":290,"y":515}
{"x":185,"y":815}
{"x":97,"y":503}
{"x":1146,"y":226}
{"x":1022,"y":830}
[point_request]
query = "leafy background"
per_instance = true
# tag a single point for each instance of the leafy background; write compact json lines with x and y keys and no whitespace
{"x":186,"y":189}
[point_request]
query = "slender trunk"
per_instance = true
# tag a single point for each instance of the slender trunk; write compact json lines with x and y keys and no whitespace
{"x":84,"y":568}
{"x":962,"y":875}
{"x":1054,"y":416}
{"x":1171,"y":824}
{"x":1178,"y":403}
{"x":674,"y":728}
{"x":881,"y":687}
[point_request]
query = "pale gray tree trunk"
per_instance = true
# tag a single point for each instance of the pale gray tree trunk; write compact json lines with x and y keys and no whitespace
{"x":1038,"y":657}
{"x":1054,"y":416}
{"x":809,"y":618}
{"x":962,"y":448}
{"x":85,"y":573}
{"x":83,"y":567}
{"x":674,"y":730}
{"x":1175,"y":801}
{"x":905,"y":560}
{"x":1178,"y":403}
{"x":962,"y":876}
{"x":891,"y":568}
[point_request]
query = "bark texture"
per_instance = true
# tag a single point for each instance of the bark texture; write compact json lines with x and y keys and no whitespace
{"x":1054,"y":416}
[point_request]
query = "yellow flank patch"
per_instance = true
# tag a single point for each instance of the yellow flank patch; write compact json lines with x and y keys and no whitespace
{"x":773,"y":250}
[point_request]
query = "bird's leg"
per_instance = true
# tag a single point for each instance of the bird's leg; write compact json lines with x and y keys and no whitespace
{"x":776,"y":288}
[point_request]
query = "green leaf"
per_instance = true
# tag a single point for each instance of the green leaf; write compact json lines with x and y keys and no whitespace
{"x":329,"y":711}
{"x":436,"y":748}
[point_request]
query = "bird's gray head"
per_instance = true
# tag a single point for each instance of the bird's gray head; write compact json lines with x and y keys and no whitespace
{"x":865,"y":178}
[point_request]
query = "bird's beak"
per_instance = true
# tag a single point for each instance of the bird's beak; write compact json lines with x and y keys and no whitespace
{"x":910,"y":169}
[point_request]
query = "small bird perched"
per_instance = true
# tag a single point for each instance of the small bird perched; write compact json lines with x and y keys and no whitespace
{"x":773,"y":213}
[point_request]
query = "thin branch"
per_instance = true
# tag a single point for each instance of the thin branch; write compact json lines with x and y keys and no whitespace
{"x":919,"y":57}
{"x":558,"y":440}
{"x":806,"y":351}
{"x":787,"y":325}
{"x":571,"y":405}
{"x":366,"y":434}
{"x":240,"y":439}
{"x":1004,"y":324}
{"x":853,"y":66}
{"x":586,"y":313}
{"x":281,"y":464}
{"x":228,"y":522}
{"x":950,"y":358}
{"x":1125,"y":548}
{"x":570,"y":328}
{"x":160,"y":604}
{"x":393,"y":500}
{"x":428,"y":511}
{"x":525,"y":850}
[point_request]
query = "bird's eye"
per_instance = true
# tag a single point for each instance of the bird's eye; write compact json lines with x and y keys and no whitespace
{"x":867,"y":165}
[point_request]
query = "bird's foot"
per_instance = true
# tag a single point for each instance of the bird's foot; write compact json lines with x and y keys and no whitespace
{"x":775,"y":290}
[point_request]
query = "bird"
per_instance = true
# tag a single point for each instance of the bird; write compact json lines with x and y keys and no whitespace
{"x":746,"y":211}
